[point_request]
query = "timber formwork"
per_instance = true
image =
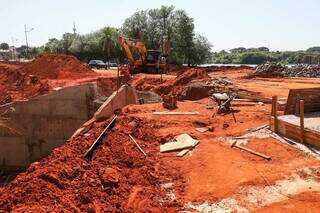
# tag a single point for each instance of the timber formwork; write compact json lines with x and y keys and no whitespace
{"x":301,"y":119}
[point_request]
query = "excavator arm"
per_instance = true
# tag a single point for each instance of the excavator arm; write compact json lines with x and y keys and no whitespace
{"x":126,"y":43}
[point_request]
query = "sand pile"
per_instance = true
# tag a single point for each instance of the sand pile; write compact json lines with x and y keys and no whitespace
{"x":118,"y":178}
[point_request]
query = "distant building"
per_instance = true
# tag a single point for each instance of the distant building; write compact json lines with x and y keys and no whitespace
{"x":10,"y":54}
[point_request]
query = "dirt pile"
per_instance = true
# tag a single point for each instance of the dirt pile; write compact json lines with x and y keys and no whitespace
{"x":52,"y":66}
{"x":118,"y":178}
{"x":21,"y":82}
{"x":178,"y":85}
{"x":226,"y":68}
{"x":175,"y":68}
{"x":277,"y":70}
{"x":144,"y":83}
{"x":4,"y":68}
{"x":17,"y":86}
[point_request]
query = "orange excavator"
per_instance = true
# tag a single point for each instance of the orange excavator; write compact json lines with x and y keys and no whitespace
{"x":149,"y":61}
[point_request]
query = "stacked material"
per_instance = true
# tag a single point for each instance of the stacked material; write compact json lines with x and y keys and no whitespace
{"x":277,"y":70}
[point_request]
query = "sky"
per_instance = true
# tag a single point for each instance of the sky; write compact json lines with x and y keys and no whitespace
{"x":277,"y":24}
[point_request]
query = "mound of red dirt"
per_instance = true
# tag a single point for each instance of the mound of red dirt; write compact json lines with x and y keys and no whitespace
{"x":20,"y":82}
{"x":145,"y":83}
{"x":118,"y":177}
{"x":176,"y":86}
{"x":4,"y":68}
{"x":50,"y":66}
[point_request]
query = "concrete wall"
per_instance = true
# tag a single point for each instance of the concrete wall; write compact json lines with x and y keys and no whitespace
{"x":37,"y":126}
{"x":124,"y":96}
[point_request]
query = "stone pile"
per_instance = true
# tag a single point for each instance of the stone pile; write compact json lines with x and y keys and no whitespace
{"x":277,"y":70}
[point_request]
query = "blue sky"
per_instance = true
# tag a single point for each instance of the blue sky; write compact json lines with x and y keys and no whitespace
{"x":278,"y":24}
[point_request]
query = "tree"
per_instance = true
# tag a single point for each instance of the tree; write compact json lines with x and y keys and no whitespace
{"x":136,"y":26}
{"x":238,"y":50}
{"x":4,"y":46}
{"x":183,"y":36}
{"x":263,"y":49}
{"x":53,"y":46}
{"x":201,"y":52}
{"x":157,"y":26}
{"x":313,"y":49}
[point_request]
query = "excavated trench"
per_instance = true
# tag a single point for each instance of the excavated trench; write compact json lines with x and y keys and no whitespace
{"x":30,"y":130}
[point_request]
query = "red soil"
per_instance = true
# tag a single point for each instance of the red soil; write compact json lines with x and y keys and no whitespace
{"x":23,"y":82}
{"x":118,"y":178}
{"x":176,"y":86}
{"x":51,"y":66}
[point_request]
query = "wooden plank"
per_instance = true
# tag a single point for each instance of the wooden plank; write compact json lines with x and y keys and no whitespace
{"x":183,"y":152}
{"x":175,"y":113}
{"x":301,"y":107}
{"x":202,"y":129}
{"x":311,"y":97}
{"x":141,"y":150}
{"x":292,"y":131}
{"x":98,"y":141}
{"x":275,"y":112}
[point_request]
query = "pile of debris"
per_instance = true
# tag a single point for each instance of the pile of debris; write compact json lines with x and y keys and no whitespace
{"x":117,"y":177}
{"x":277,"y":70}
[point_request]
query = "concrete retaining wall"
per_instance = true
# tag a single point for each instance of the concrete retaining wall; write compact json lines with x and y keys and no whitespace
{"x":124,"y":96}
{"x":37,"y":126}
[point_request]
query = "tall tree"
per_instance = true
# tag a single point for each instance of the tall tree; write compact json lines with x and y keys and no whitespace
{"x":183,"y":36}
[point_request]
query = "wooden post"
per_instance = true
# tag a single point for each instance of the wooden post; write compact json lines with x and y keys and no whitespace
{"x":301,"y":107}
{"x":274,"y":113}
{"x":118,"y":79}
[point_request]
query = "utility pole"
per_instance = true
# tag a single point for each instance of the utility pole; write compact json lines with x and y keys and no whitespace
{"x":26,"y":31}
{"x":74,"y":29}
{"x":13,"y":48}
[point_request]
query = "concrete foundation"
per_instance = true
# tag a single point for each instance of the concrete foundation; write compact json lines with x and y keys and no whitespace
{"x":29,"y":130}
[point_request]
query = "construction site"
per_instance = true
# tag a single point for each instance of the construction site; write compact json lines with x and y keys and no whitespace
{"x":213,"y":139}
{"x":130,"y":120}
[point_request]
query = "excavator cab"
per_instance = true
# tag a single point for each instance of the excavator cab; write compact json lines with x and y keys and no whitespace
{"x":153,"y":56}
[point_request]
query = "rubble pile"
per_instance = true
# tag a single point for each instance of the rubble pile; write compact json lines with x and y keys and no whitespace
{"x":118,"y":177}
{"x":277,"y":70}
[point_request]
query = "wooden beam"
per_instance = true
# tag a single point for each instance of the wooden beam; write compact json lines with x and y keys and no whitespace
{"x":275,"y":112}
{"x":141,"y":150}
{"x":98,"y":141}
{"x":301,"y":107}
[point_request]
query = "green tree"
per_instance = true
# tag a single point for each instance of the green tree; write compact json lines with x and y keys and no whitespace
{"x":182,"y":40}
{"x":136,"y":26}
{"x":201,"y":52}
{"x":4,"y":46}
{"x":53,"y":46}
{"x":313,"y":49}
